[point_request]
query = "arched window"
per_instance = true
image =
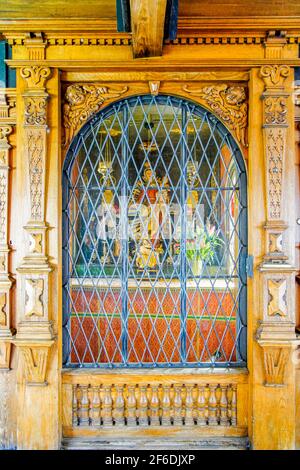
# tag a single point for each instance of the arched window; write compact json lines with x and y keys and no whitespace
{"x":154,"y":239}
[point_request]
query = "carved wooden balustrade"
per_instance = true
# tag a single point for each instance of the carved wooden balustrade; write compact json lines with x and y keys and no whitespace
{"x":155,"y":404}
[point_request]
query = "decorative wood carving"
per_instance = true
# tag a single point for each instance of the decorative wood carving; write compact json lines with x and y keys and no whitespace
{"x":229,"y":103}
{"x":275,"y":122}
{"x":35,"y":76}
{"x":81,"y":102}
{"x":154,"y":87}
{"x":275,"y":361}
{"x":275,"y":109}
{"x":34,"y":362}
{"x":7,"y":106}
{"x":36,"y":142}
{"x":275,"y":150}
{"x":274,"y":76}
{"x":34,"y":302}
{"x":277,"y":290}
{"x":35,"y":110}
{"x":35,"y":45}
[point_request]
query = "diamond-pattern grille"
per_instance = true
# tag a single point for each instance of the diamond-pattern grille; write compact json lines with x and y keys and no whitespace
{"x":154,"y":239}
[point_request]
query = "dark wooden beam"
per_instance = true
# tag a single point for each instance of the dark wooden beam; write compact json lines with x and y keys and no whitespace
{"x":147,"y":26}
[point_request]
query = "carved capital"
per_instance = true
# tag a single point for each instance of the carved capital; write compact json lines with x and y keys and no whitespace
{"x":35,"y":110}
{"x":81,"y":102}
{"x":229,"y":103}
{"x":5,"y":131}
{"x":274,"y":76}
{"x":35,"y":76}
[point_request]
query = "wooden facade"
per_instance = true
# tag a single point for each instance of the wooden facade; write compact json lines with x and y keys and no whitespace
{"x":243,"y":71}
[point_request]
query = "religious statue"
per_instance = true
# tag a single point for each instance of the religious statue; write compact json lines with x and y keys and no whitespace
{"x":149,"y":217}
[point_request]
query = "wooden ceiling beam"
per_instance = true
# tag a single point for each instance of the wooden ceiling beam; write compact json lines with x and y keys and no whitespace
{"x":147,"y":26}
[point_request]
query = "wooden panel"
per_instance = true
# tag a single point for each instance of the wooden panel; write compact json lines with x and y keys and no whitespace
{"x":58,"y":9}
{"x":257,"y":8}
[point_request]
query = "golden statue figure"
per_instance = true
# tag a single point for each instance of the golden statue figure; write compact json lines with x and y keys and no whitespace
{"x":148,"y":208}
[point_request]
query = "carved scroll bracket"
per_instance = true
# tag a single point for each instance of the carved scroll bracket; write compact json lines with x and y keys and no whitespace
{"x":34,"y":358}
{"x":81,"y":102}
{"x":229,"y":103}
{"x":276,"y":357}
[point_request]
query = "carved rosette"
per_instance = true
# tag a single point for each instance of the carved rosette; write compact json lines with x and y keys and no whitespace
{"x":229,"y":103}
{"x":35,"y":333}
{"x":82,"y":101}
{"x":5,"y":279}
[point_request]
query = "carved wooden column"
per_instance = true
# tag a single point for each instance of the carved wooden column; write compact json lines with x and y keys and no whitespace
{"x":7,"y":120}
{"x":276,"y":333}
{"x":34,"y":333}
{"x":271,"y":307}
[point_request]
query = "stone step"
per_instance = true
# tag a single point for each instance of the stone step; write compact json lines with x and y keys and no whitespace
{"x":209,"y":443}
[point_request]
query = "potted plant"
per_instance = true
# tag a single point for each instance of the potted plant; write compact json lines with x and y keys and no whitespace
{"x":201,"y":247}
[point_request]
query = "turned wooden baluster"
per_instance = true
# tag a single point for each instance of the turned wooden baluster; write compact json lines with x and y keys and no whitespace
{"x":223,"y":406}
{"x":118,"y":411}
{"x":189,"y":406}
{"x":166,"y":406}
{"x":131,"y":406}
{"x":177,"y":404}
{"x":143,"y":406}
{"x":234,"y":406}
{"x":107,"y":406}
{"x":154,"y":406}
{"x":95,"y":407}
{"x":75,"y":406}
{"x":201,"y":406}
{"x":83,"y":410}
{"x":212,"y":406}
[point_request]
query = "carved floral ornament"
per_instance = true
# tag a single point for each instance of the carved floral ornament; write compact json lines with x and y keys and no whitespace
{"x":35,"y":110}
{"x":229,"y":103}
{"x":81,"y":102}
{"x":275,"y":110}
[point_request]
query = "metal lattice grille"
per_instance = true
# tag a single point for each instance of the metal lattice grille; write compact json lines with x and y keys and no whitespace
{"x":154,"y":239}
